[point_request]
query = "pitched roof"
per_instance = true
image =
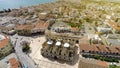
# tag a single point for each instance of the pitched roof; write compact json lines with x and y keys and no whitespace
{"x":94,"y":62}
{"x":37,"y":25}
{"x":102,"y":63}
{"x":14,"y":63}
{"x":113,"y":49}
{"x":4,"y":42}
{"x":25,"y":26}
{"x":114,"y":25}
{"x":88,"y":47}
{"x":100,"y":48}
{"x":74,"y":29}
{"x":42,"y":25}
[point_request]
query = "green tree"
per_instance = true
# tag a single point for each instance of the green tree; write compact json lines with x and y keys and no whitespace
{"x":26,"y":48}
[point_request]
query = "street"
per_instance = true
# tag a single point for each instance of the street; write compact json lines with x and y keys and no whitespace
{"x":23,"y":58}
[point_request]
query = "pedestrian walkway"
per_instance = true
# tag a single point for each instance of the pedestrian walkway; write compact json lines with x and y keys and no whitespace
{"x":47,"y":64}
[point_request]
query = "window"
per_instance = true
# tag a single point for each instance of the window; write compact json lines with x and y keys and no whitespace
{"x":77,"y":41}
{"x":7,"y":62}
{"x":59,"y":53}
{"x":83,"y":51}
{"x":2,"y":48}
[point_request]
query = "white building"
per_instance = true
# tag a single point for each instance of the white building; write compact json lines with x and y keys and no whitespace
{"x":94,"y":38}
{"x":103,"y":29}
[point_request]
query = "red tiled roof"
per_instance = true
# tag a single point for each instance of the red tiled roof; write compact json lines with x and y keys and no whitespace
{"x":100,"y":48}
{"x":88,"y":47}
{"x":22,"y":27}
{"x":42,"y":25}
{"x":38,"y":25}
{"x":113,"y":49}
{"x":74,"y":29}
{"x":102,"y":63}
{"x":46,"y":24}
{"x":94,"y":62}
{"x":4,"y":42}
{"x":14,"y":63}
{"x":118,"y":48}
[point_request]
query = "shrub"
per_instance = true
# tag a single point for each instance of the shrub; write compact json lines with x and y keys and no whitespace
{"x":96,"y":56}
{"x":26,"y":48}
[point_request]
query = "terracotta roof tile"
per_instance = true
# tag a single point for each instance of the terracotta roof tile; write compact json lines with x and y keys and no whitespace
{"x":46,"y":24}
{"x":118,"y":48}
{"x":88,"y":47}
{"x":113,"y":49}
{"x":94,"y":62}
{"x":14,"y":63}
{"x":74,"y":29}
{"x":102,"y":63}
{"x":27,"y":26}
{"x":4,"y":42}
{"x":100,"y":48}
{"x":38,"y":25}
{"x":42,"y":25}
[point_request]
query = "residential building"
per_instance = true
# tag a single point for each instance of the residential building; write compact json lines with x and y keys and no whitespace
{"x":113,"y":25}
{"x":104,"y":30}
{"x":105,"y":51}
{"x":60,"y":27}
{"x":94,"y":38}
{"x":61,"y":30}
{"x":65,"y":37}
{"x":85,"y":63}
{"x":10,"y":61}
{"x":14,"y":63}
{"x":113,"y":39}
{"x":74,"y":13}
{"x":9,"y":29}
{"x":28,"y":29}
{"x":5,"y":45}
{"x":7,"y":20}
{"x":43,"y":15}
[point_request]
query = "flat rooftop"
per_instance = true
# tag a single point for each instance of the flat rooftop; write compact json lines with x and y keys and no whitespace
{"x":114,"y":36}
{"x":114,"y":42}
{"x":4,"y":63}
{"x":114,"y":39}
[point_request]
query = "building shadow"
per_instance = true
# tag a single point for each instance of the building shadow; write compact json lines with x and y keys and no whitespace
{"x":76,"y":59}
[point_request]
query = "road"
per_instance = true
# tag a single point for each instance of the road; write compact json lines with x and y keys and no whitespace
{"x":23,"y":58}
